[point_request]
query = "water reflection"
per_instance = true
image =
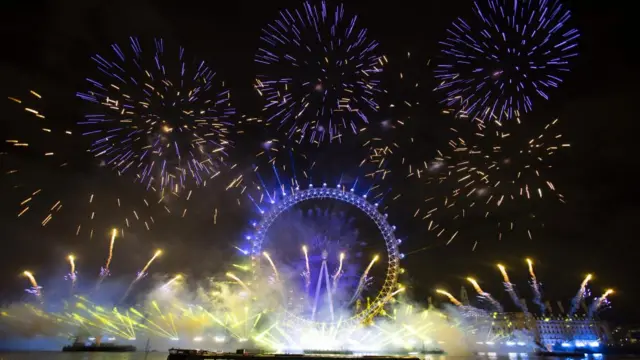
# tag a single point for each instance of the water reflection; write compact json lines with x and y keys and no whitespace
{"x":163,"y":356}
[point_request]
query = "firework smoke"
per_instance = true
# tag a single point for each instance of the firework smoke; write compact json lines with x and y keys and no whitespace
{"x":510,"y":288}
{"x":485,"y":295}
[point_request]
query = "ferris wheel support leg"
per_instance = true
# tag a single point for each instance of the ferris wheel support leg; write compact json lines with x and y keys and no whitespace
{"x":329,"y":294}
{"x":318,"y":285}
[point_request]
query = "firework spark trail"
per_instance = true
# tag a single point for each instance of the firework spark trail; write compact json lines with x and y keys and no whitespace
{"x":307,"y":270}
{"x":72,"y":271}
{"x":599,"y":302}
{"x":320,"y":74}
{"x":363,"y":280}
{"x":535,"y":286}
{"x":451,"y":297}
{"x":395,"y":151}
{"x":105,"y":271}
{"x":158,"y":115}
{"x":142,"y":273}
{"x":476,"y":286}
{"x":380,"y":305}
{"x":160,"y":322}
{"x":32,"y":142}
{"x":509,"y":161}
{"x":35,"y":288}
{"x":511,"y":52}
{"x":392,"y":146}
{"x":503,"y":271}
{"x":174,"y":279}
{"x":338,"y":274}
{"x":239,"y":281}
{"x":273,"y":266}
{"x":47,"y":137}
{"x":575,"y":303}
{"x":485,"y":295}
{"x":510,"y":288}
{"x":114,"y":233}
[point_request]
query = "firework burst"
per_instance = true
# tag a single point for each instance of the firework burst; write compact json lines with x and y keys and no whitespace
{"x":320,"y":73}
{"x":158,"y":115}
{"x":510,"y":53}
{"x":491,"y":173}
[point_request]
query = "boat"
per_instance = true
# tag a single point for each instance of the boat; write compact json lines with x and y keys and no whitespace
{"x":97,"y":346}
{"x":194,"y":354}
{"x":433,"y":352}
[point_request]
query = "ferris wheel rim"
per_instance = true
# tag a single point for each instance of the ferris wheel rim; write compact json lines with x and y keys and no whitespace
{"x":371,"y":210}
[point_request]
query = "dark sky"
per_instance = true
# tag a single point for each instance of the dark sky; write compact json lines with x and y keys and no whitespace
{"x":46,"y":46}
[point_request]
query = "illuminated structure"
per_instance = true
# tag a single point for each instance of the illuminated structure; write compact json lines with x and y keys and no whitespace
{"x":390,"y":285}
{"x":552,"y":332}
{"x":571,"y":332}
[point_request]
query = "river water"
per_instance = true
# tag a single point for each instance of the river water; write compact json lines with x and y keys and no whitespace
{"x":163,"y":356}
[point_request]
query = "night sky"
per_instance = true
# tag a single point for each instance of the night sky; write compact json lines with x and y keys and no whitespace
{"x":47,"y":45}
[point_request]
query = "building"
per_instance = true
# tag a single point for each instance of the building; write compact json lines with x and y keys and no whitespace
{"x":550,"y":332}
{"x":628,"y":335}
{"x":572,"y":331}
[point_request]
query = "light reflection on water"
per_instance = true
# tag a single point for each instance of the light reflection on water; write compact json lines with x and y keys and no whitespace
{"x":163,"y":356}
{"x":82,"y":356}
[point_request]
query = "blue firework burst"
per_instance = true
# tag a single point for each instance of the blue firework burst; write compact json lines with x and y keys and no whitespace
{"x":510,"y":53}
{"x":158,"y":115}
{"x":320,"y":73}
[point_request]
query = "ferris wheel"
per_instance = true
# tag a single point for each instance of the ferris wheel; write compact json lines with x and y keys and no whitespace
{"x":390,"y":286}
